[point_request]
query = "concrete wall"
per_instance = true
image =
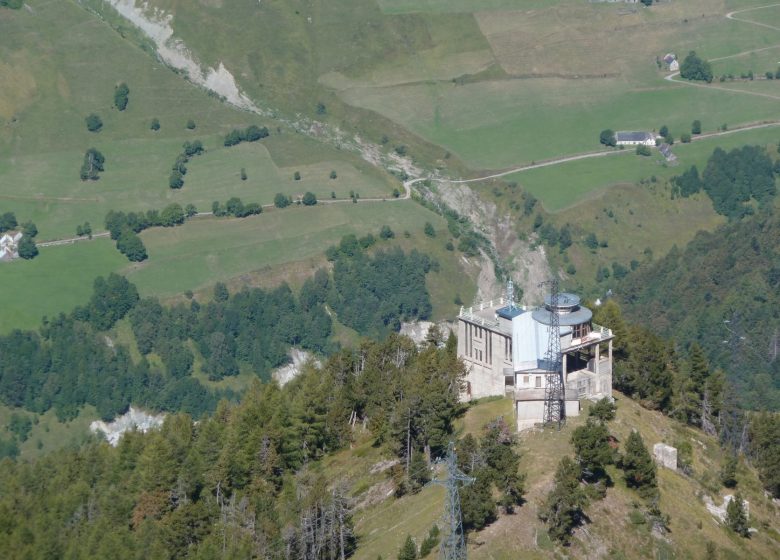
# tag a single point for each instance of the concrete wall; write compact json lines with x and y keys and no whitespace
{"x":530,"y":413}
{"x":486,"y":354}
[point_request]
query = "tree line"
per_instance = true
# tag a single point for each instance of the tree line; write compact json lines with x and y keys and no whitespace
{"x":245,"y":481}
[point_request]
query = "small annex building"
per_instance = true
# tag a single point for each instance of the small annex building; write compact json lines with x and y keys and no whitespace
{"x":504,"y":346}
{"x":9,"y":245}
{"x":634,"y":138}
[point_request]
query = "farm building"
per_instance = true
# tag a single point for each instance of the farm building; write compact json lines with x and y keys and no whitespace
{"x":634,"y":138}
{"x":671,"y":62}
{"x":504,"y":345}
{"x":9,"y":243}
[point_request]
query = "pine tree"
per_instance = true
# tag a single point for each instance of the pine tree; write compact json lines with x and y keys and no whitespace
{"x":638,"y":466}
{"x":408,"y":550}
{"x":419,"y":474}
{"x":736,"y":519}
{"x":591,"y":445}
{"x":562,"y":510}
{"x":728,"y":473}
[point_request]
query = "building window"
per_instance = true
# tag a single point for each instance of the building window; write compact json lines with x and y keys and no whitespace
{"x":581,"y":330}
{"x":538,"y":381}
{"x":489,"y":349}
{"x":526,"y":380}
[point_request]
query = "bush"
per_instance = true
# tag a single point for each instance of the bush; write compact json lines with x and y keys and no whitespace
{"x":243,"y":174}
{"x":176,"y":179}
{"x":172,"y":215}
{"x":92,"y":166}
{"x":252,"y":133}
{"x":607,"y":137}
{"x":297,"y":175}
{"x":604,"y":410}
{"x":386,"y":232}
{"x":121,"y":94}
{"x":94,"y":122}
{"x":191,"y":124}
{"x":696,"y":127}
{"x":333,"y":174}
{"x":429,"y":231}
{"x":642,"y":150}
{"x":685,"y":138}
{"x":281,"y":201}
{"x":694,"y":68}
{"x":736,"y":519}
{"x":130,"y":245}
{"x":430,"y":542}
{"x":27,"y":248}
{"x":155,"y":124}
{"x":309,"y":199}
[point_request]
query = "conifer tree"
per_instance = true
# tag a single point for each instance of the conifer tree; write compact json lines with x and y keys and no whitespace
{"x":408,"y":550}
{"x":591,"y":445}
{"x":562,"y":510}
{"x":728,"y":472}
{"x":736,"y":519}
{"x":638,"y":466}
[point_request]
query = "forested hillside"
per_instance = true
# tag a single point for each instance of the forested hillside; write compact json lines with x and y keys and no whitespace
{"x":73,"y":359}
{"x":722,"y":291}
{"x":244,"y":482}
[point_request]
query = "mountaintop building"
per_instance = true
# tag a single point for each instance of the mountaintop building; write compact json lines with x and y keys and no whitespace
{"x":504,"y":346}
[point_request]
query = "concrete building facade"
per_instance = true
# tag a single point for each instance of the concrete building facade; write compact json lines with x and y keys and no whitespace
{"x":504,"y":346}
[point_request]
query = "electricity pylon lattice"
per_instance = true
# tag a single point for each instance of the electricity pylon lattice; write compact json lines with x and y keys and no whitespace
{"x":453,"y":544}
{"x":554,"y":390}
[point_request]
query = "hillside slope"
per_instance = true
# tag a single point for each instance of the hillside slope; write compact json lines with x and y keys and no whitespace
{"x":615,"y":528}
{"x":722,"y":292}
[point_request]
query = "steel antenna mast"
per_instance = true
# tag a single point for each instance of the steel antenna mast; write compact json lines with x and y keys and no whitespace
{"x":554,"y":391}
{"x":453,"y":545}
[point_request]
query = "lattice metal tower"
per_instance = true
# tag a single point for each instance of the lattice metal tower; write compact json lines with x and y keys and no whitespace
{"x":453,"y":544}
{"x":554,"y":391}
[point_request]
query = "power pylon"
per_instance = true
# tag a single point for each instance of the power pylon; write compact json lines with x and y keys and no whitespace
{"x":453,"y":545}
{"x":554,"y":391}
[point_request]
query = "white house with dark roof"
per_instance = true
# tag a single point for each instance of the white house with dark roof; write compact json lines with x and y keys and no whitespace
{"x":634,"y":138}
{"x":9,"y":243}
{"x":504,"y":345}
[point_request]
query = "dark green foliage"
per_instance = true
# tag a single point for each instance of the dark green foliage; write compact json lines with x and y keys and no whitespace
{"x":321,"y":109}
{"x":297,"y":176}
{"x":603,"y":410}
{"x":685,"y":138}
{"x":92,"y":166}
{"x":12,"y":4}
{"x":374,"y":294}
{"x":252,"y":133}
{"x":732,"y":179}
{"x":477,"y":504}
{"x":29,"y":229}
{"x":111,"y":299}
{"x":647,"y":3}
{"x":236,"y":208}
{"x":172,"y":215}
{"x":176,"y":179}
{"x":386,"y":233}
{"x":333,"y":175}
{"x":694,"y":68}
{"x":607,"y":137}
{"x":193,"y":148}
{"x":94,"y":122}
{"x":309,"y":199}
{"x":696,"y":127}
{"x":27,"y":248}
{"x":7,"y":221}
{"x":131,"y":246}
{"x":155,"y":124}
{"x":688,"y":183}
{"x":221,"y":292}
{"x":764,"y":448}
{"x":408,"y":550}
{"x":429,"y":231}
{"x":243,"y":174}
{"x":121,"y":96}
{"x":190,"y":124}
{"x":281,"y":200}
{"x":592,"y":242}
{"x":419,"y":472}
{"x":20,"y":425}
{"x":430,"y":542}
{"x":563,"y":508}
{"x":736,"y":519}
{"x":731,"y":274}
{"x":190,"y":210}
{"x":469,"y":245}
{"x":592,"y":450}
{"x":728,"y":472}
{"x":642,"y":150}
{"x":663,"y":131}
{"x":638,"y":466}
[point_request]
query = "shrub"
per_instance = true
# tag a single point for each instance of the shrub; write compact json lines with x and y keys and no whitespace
{"x":386,"y":232}
{"x":297,"y":175}
{"x":176,"y":179}
{"x":607,"y":137}
{"x":191,"y":124}
{"x":696,"y":127}
{"x":155,"y":124}
{"x":333,"y":174}
{"x":121,"y":94}
{"x":243,"y":174}
{"x":736,"y":519}
{"x":694,"y":68}
{"x":685,"y":138}
{"x":309,"y":199}
{"x":429,"y":231}
{"x":94,"y":122}
{"x":92,"y":166}
{"x":281,"y":201}
{"x":642,"y":150}
{"x":27,"y":248}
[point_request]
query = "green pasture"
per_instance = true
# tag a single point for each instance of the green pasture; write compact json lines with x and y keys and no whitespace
{"x":57,"y":280}
{"x":567,"y":184}
{"x":50,"y":81}
{"x":204,"y":251}
{"x":457,"y":6}
{"x":48,"y":433}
